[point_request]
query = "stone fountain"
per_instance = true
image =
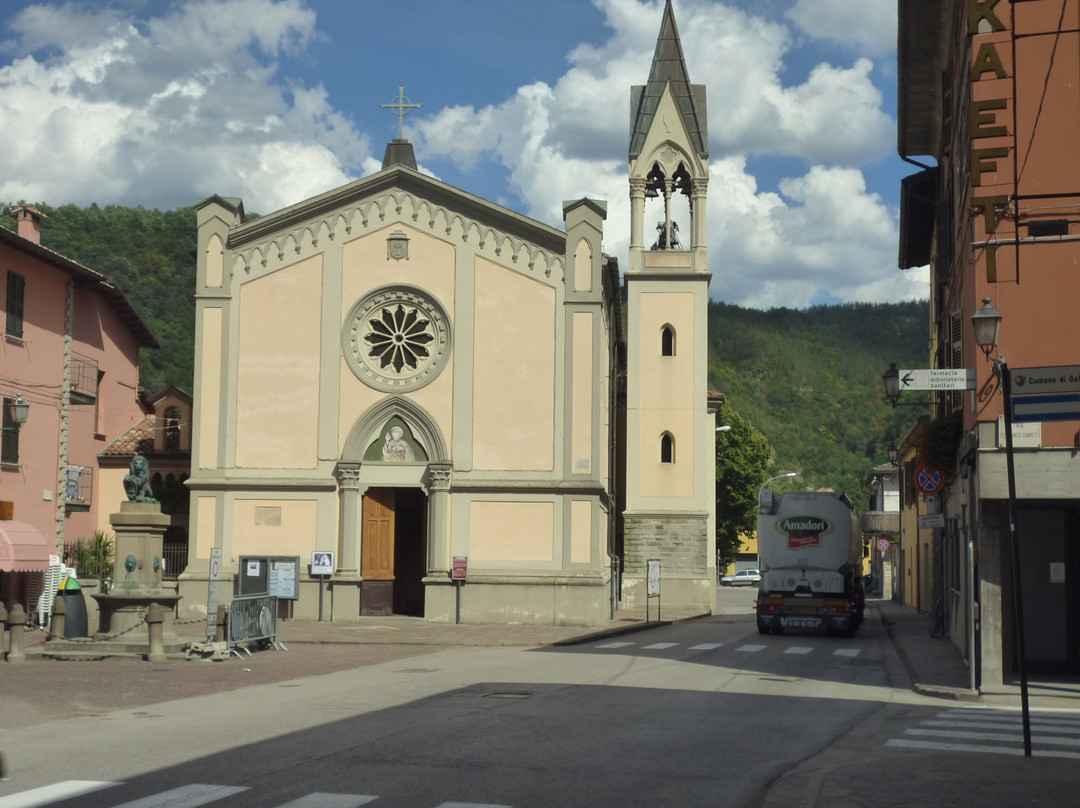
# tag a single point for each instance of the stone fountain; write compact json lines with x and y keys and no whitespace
{"x":139,"y":528}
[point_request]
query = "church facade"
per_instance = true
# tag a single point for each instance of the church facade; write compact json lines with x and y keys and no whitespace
{"x":428,"y":386}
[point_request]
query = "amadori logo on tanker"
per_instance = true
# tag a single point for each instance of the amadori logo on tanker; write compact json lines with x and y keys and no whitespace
{"x":804,"y":531}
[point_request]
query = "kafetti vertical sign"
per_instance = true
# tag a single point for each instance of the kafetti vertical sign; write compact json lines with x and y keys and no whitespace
{"x":988,"y":116}
{"x":804,"y":531}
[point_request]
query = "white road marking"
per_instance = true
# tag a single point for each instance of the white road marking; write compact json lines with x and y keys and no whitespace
{"x":750,"y":649}
{"x":54,"y":793}
{"x":185,"y":796}
{"x":706,"y":646}
{"x":963,"y":747}
{"x":613,"y":645}
{"x":798,"y":649}
{"x":659,"y":646}
{"x":318,"y":800}
{"x":846,"y":652}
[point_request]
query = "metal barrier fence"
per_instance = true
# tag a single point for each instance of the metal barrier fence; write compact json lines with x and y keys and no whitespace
{"x":251,"y":619}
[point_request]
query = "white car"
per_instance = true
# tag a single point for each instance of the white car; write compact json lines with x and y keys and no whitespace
{"x":742,"y":578}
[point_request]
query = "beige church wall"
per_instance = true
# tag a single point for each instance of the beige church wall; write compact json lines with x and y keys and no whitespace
{"x":581,"y":513}
{"x":501,"y":531}
{"x":583,"y":405}
{"x":670,"y":387}
{"x":205,"y":509}
{"x":215,"y":262}
{"x":277,"y":384}
{"x":274,"y":527}
{"x":209,"y":396}
{"x":513,"y":371}
{"x":365,"y":267}
{"x":430,"y":266}
{"x":583,"y":267}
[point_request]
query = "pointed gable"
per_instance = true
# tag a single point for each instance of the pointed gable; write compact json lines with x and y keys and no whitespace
{"x":668,"y":68}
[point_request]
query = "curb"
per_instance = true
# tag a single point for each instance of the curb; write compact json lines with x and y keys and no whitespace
{"x":618,"y":631}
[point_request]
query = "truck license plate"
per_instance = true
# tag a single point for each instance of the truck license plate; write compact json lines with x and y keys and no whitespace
{"x":800,"y":622}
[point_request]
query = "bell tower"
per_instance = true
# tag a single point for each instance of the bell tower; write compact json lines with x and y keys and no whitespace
{"x":670,"y":466}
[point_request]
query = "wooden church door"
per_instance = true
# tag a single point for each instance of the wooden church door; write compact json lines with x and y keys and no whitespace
{"x":377,"y":553}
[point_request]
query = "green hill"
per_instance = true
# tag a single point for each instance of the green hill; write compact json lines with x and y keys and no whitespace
{"x":809,"y":380}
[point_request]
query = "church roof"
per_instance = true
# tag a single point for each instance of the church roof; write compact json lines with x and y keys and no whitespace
{"x":669,"y":67}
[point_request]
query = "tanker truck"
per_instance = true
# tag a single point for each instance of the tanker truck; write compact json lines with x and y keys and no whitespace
{"x":810,"y":556}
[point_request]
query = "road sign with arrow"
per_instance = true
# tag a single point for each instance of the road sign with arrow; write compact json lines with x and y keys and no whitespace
{"x":937,"y":379}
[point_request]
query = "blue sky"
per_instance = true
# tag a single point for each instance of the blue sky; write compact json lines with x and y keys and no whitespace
{"x":158,"y":103}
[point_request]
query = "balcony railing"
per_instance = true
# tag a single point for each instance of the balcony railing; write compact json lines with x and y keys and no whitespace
{"x":78,"y":487}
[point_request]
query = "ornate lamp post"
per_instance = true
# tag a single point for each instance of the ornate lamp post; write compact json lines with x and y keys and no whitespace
{"x":986,"y":323}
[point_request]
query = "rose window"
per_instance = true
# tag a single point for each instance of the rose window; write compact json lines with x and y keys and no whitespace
{"x":396,"y":339}
{"x":399,"y":337}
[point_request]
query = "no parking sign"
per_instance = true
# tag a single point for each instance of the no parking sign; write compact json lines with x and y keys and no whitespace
{"x":928,"y":479}
{"x":883,"y":545}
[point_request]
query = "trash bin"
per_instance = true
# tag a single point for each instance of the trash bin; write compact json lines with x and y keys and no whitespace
{"x":75,"y":606}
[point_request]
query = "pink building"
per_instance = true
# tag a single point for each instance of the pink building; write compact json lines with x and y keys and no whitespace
{"x":71,"y":352}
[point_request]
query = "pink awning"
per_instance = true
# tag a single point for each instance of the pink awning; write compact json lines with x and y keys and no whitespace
{"x":23,"y":548}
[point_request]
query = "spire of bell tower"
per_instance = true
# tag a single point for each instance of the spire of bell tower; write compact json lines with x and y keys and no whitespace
{"x":669,"y":68}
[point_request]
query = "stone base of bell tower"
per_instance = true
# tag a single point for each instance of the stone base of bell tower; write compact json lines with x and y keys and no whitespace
{"x":681,"y":543}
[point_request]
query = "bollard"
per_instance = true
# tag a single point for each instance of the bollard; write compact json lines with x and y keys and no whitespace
{"x":56,"y":625}
{"x":155,"y":618}
{"x":219,"y":629}
{"x":3,"y":629}
{"x":16,"y":623}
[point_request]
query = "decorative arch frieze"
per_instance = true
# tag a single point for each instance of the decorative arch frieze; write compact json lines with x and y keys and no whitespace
{"x":371,"y":213}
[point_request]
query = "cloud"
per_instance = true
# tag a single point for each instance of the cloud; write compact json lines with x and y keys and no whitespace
{"x":867,"y":26}
{"x":110,"y":102}
{"x":163,"y":111}
{"x":821,"y":235}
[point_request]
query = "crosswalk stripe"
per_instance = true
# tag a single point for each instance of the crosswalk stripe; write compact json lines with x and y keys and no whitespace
{"x":319,"y":800}
{"x":750,"y":649}
{"x":471,"y":805}
{"x":706,"y":646}
{"x":846,"y":652}
{"x":54,"y":793}
{"x":184,"y":796}
{"x":992,"y":736}
{"x":614,"y":645}
{"x":659,"y":646}
{"x":964,"y":724}
{"x":932,"y":746}
{"x":799,"y":649}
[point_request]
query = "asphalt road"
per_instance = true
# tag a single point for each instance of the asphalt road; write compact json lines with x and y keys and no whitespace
{"x":676,"y":715}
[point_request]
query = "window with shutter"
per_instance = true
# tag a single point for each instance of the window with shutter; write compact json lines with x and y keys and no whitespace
{"x":16,"y":286}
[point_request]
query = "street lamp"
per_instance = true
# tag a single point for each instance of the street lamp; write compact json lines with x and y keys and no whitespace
{"x":986,"y":322}
{"x":777,"y":477}
{"x":19,"y":410}
{"x":891,"y":379}
{"x":893,"y":452}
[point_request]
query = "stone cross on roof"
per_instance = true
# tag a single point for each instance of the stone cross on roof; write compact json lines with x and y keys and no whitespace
{"x":402,"y":106}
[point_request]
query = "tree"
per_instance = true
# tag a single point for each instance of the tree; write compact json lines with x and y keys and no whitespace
{"x":742,"y":462}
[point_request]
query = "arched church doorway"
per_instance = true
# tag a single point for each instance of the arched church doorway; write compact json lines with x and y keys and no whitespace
{"x":393,"y":559}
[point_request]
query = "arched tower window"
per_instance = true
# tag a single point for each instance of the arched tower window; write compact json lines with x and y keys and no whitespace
{"x":667,"y":341}
{"x":667,"y":448}
{"x":675,"y":194}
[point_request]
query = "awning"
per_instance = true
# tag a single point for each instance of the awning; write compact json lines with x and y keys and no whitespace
{"x":23,"y":548}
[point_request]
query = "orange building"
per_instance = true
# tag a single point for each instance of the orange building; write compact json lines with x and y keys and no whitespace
{"x":988,"y":109}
